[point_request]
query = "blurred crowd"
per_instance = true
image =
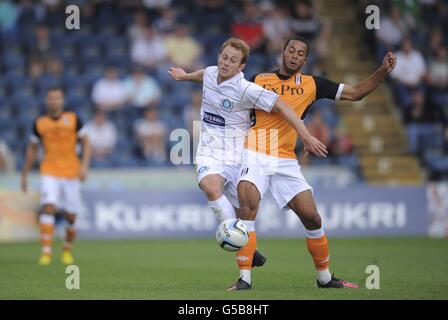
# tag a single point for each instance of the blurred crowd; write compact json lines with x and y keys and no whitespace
{"x":417,"y":30}
{"x":114,"y":68}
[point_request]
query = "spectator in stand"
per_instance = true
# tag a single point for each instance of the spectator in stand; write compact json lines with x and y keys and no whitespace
{"x":435,"y":42}
{"x":441,"y":16}
{"x":213,"y":16}
{"x":438,"y":77}
{"x":137,"y":29}
{"x":41,"y":46}
{"x":304,"y":20}
{"x":8,"y":16}
{"x":102,"y":136}
{"x":182,"y":49}
{"x":319,"y":128}
{"x":410,"y":13}
{"x":192,"y":113}
{"x":149,"y":50}
{"x":249,"y":27}
{"x":341,"y":144}
{"x":392,"y":32}
{"x":420,"y":111}
{"x":7,"y":159}
{"x":156,"y":5}
{"x":323,"y":41}
{"x":276,"y":27}
{"x":421,"y":118}
{"x":409,"y":72}
{"x":109,"y":93}
{"x":36,"y":68}
{"x":30,"y":13}
{"x":166,"y":24}
{"x":151,"y":137}
{"x":142,"y":90}
{"x":55,"y":67}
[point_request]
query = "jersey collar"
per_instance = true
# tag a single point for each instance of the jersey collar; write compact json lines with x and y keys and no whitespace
{"x":236,"y":77}
{"x":55,"y":118}
{"x":283,"y":76}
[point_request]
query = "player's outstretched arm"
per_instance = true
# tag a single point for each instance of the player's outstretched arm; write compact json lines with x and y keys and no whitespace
{"x":359,"y":91}
{"x":179,"y":74}
{"x":310,"y":143}
{"x":30,"y":157}
{"x":85,"y":160}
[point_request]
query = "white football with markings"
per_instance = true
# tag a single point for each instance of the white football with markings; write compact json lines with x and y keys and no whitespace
{"x":232,"y":234}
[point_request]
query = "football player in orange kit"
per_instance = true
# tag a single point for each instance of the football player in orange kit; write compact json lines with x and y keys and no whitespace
{"x":270,"y":161}
{"x":61,"y":171}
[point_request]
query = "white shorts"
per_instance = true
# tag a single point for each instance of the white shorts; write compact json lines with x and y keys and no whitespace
{"x":281,"y":176}
{"x":207,"y":166}
{"x":63,"y":193}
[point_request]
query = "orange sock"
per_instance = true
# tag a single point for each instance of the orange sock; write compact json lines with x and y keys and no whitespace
{"x":70,"y":235}
{"x":245,"y":255}
{"x":46,"y":233}
{"x":318,"y":248}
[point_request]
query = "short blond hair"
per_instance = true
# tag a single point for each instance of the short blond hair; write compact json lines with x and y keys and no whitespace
{"x":237,"y":44}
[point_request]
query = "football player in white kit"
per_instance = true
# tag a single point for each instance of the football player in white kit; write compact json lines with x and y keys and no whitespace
{"x":227,"y":102}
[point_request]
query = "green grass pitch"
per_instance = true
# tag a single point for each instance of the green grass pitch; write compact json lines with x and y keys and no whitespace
{"x":411,"y":268}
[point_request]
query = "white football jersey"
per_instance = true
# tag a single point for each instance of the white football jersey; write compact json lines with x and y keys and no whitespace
{"x":226,"y":114}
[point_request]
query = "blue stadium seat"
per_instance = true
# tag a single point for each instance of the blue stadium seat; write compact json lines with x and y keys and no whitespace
{"x":85,"y":113}
{"x":25,"y":120}
{"x":91,"y":54}
{"x":424,"y":136}
{"x":76,"y":102}
{"x":45,"y":82}
{"x":6,"y":115}
{"x":436,"y":160}
{"x":16,"y":79}
{"x":12,"y":59}
{"x":3,"y":90}
{"x":57,"y":38}
{"x":105,"y":163}
{"x":10,"y":138}
{"x":71,"y":78}
{"x":350,"y":161}
{"x":92,"y":74}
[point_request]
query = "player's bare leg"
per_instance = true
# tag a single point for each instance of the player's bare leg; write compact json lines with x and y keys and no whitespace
{"x":212,"y":186}
{"x":46,"y":223}
{"x":70,"y":235}
{"x":249,"y":199}
{"x":304,"y":206}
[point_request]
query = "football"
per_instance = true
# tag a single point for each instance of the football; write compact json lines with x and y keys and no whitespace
{"x":232,"y":234}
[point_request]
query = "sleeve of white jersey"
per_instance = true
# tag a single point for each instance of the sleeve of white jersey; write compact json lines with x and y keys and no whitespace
{"x":259,"y":98}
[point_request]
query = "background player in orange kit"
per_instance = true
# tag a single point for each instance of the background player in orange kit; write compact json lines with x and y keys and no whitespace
{"x":270,"y":161}
{"x":61,"y":170}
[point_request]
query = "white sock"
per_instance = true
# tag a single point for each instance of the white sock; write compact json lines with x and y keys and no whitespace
{"x":245,"y":274}
{"x":222,"y":208}
{"x":315,"y":234}
{"x":324,"y":276}
{"x":250,"y":224}
{"x":46,"y":218}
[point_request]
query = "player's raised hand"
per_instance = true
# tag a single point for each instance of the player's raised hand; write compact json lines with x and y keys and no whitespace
{"x":389,"y":61}
{"x":315,"y":147}
{"x":176,"y":73}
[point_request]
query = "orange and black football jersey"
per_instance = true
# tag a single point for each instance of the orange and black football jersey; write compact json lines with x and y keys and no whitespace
{"x":270,"y":133}
{"x":58,"y":137}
